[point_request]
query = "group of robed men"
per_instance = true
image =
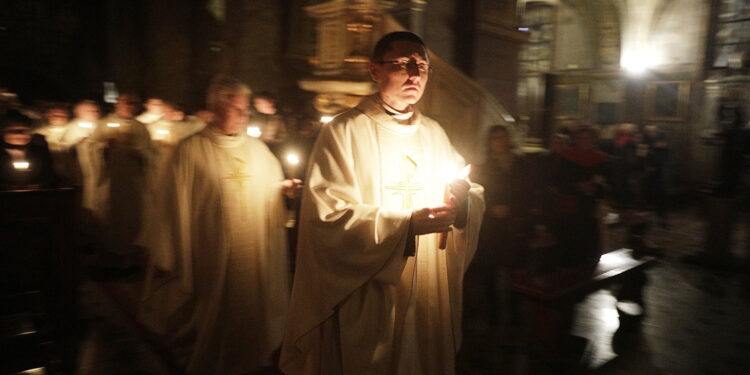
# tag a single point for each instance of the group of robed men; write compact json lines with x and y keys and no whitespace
{"x":374,"y":292}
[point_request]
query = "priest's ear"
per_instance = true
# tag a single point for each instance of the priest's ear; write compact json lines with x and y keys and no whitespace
{"x":375,"y":69}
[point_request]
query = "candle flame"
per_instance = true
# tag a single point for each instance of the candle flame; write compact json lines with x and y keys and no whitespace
{"x":21,"y":165}
{"x":453,"y":173}
{"x":254,"y":131}
{"x":87,"y":125}
{"x":113,"y":124}
{"x":465,"y":172}
{"x":326,"y":119}
{"x":162,"y":132}
{"x":292,"y":159}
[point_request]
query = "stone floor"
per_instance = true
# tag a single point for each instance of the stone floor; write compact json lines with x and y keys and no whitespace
{"x":695,"y":323}
{"x":695,"y":319}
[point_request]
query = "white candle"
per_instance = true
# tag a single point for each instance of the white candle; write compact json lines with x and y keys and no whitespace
{"x":462,"y":175}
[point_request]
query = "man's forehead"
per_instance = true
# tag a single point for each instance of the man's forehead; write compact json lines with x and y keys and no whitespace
{"x":406,"y":49}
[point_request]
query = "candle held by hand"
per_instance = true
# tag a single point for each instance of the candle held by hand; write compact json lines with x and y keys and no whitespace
{"x":462,"y":175}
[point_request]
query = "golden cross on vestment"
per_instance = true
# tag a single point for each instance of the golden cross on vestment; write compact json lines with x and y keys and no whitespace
{"x":407,"y":188}
{"x":237,"y":174}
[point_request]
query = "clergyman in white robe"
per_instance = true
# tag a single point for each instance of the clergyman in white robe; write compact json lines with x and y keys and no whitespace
{"x":221,"y":292}
{"x":360,"y":303}
{"x":64,"y":161}
{"x":115,"y":162}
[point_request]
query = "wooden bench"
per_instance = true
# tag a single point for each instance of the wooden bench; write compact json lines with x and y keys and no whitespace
{"x":550,"y":299}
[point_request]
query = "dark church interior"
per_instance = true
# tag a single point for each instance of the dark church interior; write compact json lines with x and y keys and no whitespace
{"x":609,"y":137}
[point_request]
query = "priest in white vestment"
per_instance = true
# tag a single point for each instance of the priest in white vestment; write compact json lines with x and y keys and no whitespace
{"x":115,"y":161}
{"x":154,"y":110}
{"x":218,"y":286}
{"x":86,"y":117}
{"x":63,"y":160}
{"x":373,"y":292}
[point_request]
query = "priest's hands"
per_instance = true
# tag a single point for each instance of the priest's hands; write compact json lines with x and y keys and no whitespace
{"x":291,"y":188}
{"x":432,"y":219}
{"x":459,"y":191}
{"x":440,"y":218}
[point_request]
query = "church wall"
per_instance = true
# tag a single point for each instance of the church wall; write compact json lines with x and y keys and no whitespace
{"x":439,"y":28}
{"x":677,"y":33}
{"x":574,"y":48}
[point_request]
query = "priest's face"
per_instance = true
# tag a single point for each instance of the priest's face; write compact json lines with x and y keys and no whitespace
{"x":17,"y":134}
{"x":233,"y":117}
{"x":155,"y":106}
{"x":402,"y":74}
{"x":57,"y":117}
{"x":87,"y":112}
{"x":126,"y":106}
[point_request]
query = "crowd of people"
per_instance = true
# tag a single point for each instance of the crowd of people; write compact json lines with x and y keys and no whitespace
{"x":201,"y":203}
{"x":547,"y":212}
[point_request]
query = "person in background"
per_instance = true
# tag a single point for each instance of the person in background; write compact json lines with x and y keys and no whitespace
{"x":54,"y":128}
{"x":578,"y":186}
{"x":115,"y":162}
{"x":154,"y":110}
{"x":656,"y":181}
{"x":25,"y":160}
{"x":86,"y":114}
{"x":506,"y":178}
{"x":64,"y":159}
{"x":266,"y":116}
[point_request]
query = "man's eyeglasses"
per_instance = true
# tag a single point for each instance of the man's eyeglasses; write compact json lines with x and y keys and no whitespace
{"x":406,"y":66}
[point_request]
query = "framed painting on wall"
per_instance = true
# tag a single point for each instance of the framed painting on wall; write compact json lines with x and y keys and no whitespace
{"x":571,"y":101}
{"x":667,"y":101}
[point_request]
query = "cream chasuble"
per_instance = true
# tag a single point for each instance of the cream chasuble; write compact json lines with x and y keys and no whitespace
{"x":148,"y":117}
{"x":220,"y":239}
{"x":114,"y":183}
{"x":166,"y":135}
{"x":359,"y":305}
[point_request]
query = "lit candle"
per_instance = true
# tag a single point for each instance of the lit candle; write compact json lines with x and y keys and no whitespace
{"x":443,"y":241}
{"x":254,"y":131}
{"x":87,"y":125}
{"x":326,"y":118}
{"x":21,"y":165}
{"x":162,"y":134}
{"x":113,"y":124}
{"x":293,"y":160}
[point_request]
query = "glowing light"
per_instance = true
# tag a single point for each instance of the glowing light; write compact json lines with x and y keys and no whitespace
{"x":326,"y":119}
{"x":162,"y":132}
{"x":33,"y":371}
{"x":87,"y":125}
{"x":637,"y":59}
{"x":452,"y":172}
{"x":523,"y":29}
{"x":21,"y":165}
{"x":610,"y":318}
{"x":254,"y":131}
{"x":292,"y":159}
{"x":113,"y":125}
